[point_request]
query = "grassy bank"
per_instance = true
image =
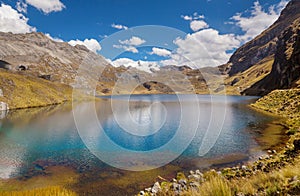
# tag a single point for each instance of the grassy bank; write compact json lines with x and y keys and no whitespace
{"x":277,"y":173}
{"x":21,"y":91}
{"x":55,"y":190}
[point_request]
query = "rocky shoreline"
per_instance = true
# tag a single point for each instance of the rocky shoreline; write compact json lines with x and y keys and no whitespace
{"x":273,"y":173}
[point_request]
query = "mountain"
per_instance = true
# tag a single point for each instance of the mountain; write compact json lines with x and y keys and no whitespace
{"x":37,"y":55}
{"x":269,"y":61}
{"x":37,"y":71}
{"x":285,"y":72}
{"x":264,"y":45}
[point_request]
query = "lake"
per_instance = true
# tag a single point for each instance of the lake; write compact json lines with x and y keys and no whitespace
{"x":120,"y":144}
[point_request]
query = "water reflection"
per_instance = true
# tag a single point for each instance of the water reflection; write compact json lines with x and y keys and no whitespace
{"x":50,"y":134}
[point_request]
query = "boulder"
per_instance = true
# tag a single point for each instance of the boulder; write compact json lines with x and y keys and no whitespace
{"x":1,"y":93}
{"x":244,"y":168}
{"x":195,"y":177}
{"x":156,"y":188}
{"x":45,"y":77}
{"x":199,"y":173}
{"x":296,"y":145}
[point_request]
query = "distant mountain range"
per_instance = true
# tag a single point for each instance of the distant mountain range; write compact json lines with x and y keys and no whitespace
{"x":270,"y":61}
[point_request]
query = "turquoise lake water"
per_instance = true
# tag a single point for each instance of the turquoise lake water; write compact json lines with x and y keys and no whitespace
{"x":135,"y":133}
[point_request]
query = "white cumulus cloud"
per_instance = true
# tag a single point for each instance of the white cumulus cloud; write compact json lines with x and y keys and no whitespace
{"x":12,"y":21}
{"x":197,"y":25}
{"x":21,"y":6}
{"x":160,"y":52}
{"x":133,"y":41}
{"x":208,"y":47}
{"x":127,"y":48}
{"x":91,"y":44}
{"x":47,"y":6}
{"x":119,"y":26}
{"x":186,"y":17}
{"x":259,"y":19}
{"x":195,"y":16}
{"x":54,"y":38}
{"x":130,"y":45}
{"x":146,"y":66}
{"x":204,"y":48}
{"x":196,"y":21}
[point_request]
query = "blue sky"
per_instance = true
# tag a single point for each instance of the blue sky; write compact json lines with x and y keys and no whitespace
{"x":95,"y":19}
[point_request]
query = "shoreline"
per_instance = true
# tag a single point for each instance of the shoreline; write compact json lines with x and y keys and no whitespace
{"x":254,"y":177}
{"x":266,"y":164}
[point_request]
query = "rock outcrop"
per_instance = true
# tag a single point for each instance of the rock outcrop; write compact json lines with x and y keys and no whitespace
{"x":285,"y":72}
{"x":265,"y":44}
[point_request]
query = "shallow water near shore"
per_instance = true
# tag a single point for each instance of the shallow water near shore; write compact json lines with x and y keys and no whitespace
{"x":135,"y":139}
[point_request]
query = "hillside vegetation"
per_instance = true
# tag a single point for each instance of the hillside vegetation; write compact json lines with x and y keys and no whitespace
{"x":21,"y":91}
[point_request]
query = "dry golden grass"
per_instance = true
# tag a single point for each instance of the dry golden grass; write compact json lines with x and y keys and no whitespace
{"x":53,"y":183}
{"x":281,"y":181}
{"x":272,"y":182}
{"x":25,"y":91}
{"x":49,"y":191}
{"x":21,"y":91}
{"x":249,"y":77}
{"x":285,"y":103}
{"x":215,"y":186}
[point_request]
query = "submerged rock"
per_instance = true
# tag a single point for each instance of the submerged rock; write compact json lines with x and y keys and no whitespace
{"x":38,"y":167}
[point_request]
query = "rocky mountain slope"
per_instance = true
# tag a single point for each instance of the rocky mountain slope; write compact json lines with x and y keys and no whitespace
{"x":36,"y":55}
{"x":46,"y":64}
{"x":36,"y":71}
{"x":264,"y":45}
{"x":285,"y":72}
{"x":271,"y":60}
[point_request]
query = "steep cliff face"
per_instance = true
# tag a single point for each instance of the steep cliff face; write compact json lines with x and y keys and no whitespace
{"x":286,"y":67}
{"x":264,"y":45}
